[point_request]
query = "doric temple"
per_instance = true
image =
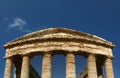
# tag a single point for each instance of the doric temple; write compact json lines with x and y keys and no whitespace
{"x":68,"y":42}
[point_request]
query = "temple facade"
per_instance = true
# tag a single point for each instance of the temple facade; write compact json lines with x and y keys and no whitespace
{"x":48,"y":42}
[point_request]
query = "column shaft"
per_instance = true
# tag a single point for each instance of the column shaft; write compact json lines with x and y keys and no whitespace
{"x":46,"y":66}
{"x":25,"y":67}
{"x":70,"y":66}
{"x":91,"y":63}
{"x":8,"y":69}
{"x":109,"y":68}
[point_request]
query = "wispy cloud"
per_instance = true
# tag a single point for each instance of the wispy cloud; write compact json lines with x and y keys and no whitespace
{"x":20,"y":24}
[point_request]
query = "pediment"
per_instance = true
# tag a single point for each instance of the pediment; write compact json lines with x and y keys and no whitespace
{"x":59,"y":33}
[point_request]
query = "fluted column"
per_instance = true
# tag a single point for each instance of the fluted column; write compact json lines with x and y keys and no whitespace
{"x":108,"y":68}
{"x":25,"y":67}
{"x":91,"y":63}
{"x":8,"y":68}
{"x":46,"y":66}
{"x":70,"y":66}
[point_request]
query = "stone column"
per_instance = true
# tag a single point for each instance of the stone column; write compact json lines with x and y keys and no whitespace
{"x":8,"y":68}
{"x":108,"y":68}
{"x":25,"y":67}
{"x":46,"y":66}
{"x":70,"y":66}
{"x":91,"y":63}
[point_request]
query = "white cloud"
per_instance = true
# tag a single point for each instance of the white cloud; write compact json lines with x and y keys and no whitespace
{"x":20,"y":24}
{"x":17,"y":22}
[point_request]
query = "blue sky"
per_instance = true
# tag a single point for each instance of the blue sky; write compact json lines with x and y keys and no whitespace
{"x":98,"y":17}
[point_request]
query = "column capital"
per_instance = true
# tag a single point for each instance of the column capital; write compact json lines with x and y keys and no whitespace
{"x":47,"y":53}
{"x":11,"y":58}
{"x":109,"y":57}
{"x":28,"y":55}
{"x":70,"y":53}
{"x":90,"y":54}
{"x":106,"y":58}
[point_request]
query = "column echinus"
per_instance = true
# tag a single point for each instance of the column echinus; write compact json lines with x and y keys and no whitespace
{"x":25,"y":66}
{"x":70,"y":66}
{"x":8,"y":68}
{"x":91,"y":63}
{"x":46,"y":65}
{"x":108,"y":68}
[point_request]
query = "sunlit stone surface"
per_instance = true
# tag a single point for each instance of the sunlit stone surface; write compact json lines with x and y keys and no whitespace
{"x":48,"y":42}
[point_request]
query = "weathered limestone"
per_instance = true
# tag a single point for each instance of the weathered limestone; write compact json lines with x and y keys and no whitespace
{"x":25,"y":67}
{"x":46,"y":66}
{"x":70,"y":66}
{"x":108,"y":68}
{"x":58,"y":41}
{"x":17,"y":73}
{"x":8,"y":68}
{"x":91,"y":63}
